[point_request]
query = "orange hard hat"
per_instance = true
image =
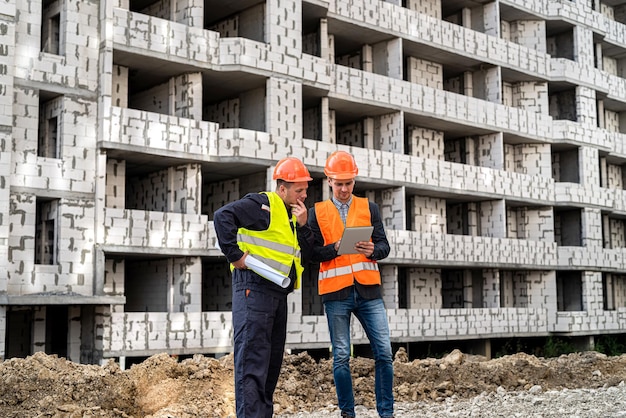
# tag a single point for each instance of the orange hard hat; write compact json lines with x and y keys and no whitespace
{"x":292,"y":170}
{"x":340,"y":165}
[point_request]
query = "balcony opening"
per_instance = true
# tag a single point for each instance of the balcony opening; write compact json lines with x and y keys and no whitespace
{"x":565,"y":164}
{"x":146,"y":285}
{"x":569,"y":293}
{"x":568,"y":227}
{"x":560,"y":39}
{"x":562,"y":103}
{"x":45,"y":231}
{"x":241,"y":19}
{"x":452,"y":288}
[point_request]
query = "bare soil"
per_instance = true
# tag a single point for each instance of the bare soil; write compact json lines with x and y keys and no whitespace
{"x":48,"y":386}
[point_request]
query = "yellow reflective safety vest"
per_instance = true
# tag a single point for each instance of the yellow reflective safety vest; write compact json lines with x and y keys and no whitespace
{"x":277,"y":246}
{"x":341,"y":271}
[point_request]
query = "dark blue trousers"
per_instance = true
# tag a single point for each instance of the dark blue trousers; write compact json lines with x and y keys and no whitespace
{"x":260,"y":331}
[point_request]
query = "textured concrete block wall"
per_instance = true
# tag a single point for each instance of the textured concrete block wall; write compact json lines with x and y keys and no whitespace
{"x":428,"y":7}
{"x":424,"y":288}
{"x":284,"y":115}
{"x":392,"y":207}
{"x":529,"y":33}
{"x":389,"y":132}
{"x":186,"y":284}
{"x":114,"y":279}
{"x":428,"y":214}
{"x":115,"y":184}
{"x":425,"y":143}
{"x":186,"y":96}
{"x":424,"y":72}
{"x":278,"y":118}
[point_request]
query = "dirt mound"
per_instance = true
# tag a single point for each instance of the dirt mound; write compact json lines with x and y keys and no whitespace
{"x":162,"y":387}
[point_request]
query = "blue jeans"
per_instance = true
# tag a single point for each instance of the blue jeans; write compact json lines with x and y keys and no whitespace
{"x":372,"y":315}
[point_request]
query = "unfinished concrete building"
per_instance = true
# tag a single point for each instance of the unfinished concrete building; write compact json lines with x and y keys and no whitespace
{"x":491,"y":133}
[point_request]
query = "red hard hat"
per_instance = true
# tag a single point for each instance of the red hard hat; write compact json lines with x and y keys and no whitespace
{"x":292,"y":170}
{"x":340,"y":165}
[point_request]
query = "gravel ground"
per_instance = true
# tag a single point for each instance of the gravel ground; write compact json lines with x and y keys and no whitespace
{"x":608,"y":402}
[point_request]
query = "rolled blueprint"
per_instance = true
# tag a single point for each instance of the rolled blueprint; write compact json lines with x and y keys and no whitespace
{"x":267,"y":272}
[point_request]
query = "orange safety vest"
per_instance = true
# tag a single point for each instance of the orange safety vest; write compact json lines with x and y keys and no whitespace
{"x":341,"y":271}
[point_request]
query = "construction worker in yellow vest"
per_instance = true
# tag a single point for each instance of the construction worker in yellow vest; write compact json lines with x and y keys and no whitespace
{"x":350,"y":284}
{"x":269,"y":228}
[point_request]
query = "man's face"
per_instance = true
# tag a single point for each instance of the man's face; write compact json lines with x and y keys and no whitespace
{"x":342,"y":189}
{"x":291,"y":193}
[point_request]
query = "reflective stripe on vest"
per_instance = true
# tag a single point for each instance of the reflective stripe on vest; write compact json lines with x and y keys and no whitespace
{"x":271,"y":245}
{"x":353,"y":268}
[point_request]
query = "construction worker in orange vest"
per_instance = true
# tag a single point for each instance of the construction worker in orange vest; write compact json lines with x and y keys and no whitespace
{"x":270,"y":227}
{"x":351,"y":283}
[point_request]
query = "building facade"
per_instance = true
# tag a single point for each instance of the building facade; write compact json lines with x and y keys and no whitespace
{"x":491,"y":133}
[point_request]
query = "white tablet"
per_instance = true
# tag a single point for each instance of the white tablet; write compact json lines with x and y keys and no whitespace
{"x":351,"y":236}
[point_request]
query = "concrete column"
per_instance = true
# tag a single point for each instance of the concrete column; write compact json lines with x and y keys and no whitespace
{"x":284,"y":110}
{"x":491,"y":151}
{"x":387,"y":58}
{"x":186,"y":96}
{"x":589,"y":167}
{"x":491,"y":288}
{"x":390,"y":290}
{"x":586,"y":106}
{"x":529,"y":33}
{"x":283,"y":26}
{"x":367,"y":58}
{"x":492,"y":219}
{"x":369,"y":134}
{"x":600,"y":113}
{"x":487,"y":84}
{"x":185,"y":188}
{"x":599,"y":57}
{"x":490,"y":16}
{"x":115,"y":182}
{"x":186,"y":284}
{"x":188,"y":12}
{"x":591,"y":228}
{"x":389,"y":131}
{"x":325,"y":114}
{"x":592,"y":293}
{"x":326,"y":52}
{"x":392,"y":208}
{"x":583,"y":46}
